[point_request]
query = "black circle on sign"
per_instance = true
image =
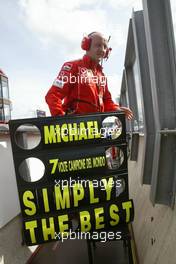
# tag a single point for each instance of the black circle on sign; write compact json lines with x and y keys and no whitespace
{"x":27,"y":136}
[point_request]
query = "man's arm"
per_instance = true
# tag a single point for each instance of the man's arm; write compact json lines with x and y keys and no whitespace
{"x":60,"y":89}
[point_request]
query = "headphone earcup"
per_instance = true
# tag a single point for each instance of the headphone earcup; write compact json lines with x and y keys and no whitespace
{"x":85,"y":44}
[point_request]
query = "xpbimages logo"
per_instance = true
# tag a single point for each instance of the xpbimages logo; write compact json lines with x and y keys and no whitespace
{"x":103,"y":132}
{"x":102,"y":185}
{"x":85,"y":76}
{"x":102,"y":236}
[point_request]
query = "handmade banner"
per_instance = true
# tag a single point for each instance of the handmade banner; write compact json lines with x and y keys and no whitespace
{"x":84,"y":176}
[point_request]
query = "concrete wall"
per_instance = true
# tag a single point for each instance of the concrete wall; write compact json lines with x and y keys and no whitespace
{"x":154,"y":227}
{"x":11,"y":249}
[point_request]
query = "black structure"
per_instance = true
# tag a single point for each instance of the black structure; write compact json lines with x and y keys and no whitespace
{"x":85,"y":177}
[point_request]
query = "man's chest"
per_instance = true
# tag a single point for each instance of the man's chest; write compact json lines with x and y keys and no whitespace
{"x":93,"y":78}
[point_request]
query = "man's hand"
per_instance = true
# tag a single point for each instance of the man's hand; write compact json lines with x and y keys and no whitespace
{"x":127,"y":111}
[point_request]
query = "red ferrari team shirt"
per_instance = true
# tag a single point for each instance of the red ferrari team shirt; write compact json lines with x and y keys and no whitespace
{"x":80,"y":88}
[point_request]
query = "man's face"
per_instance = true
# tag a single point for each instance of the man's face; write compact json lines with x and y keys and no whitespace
{"x":98,"y":48}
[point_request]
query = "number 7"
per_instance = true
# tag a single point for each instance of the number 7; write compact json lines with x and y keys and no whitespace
{"x":54,"y":162}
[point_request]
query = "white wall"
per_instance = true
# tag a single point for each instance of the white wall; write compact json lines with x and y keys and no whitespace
{"x":9,"y":203}
{"x":11,"y":249}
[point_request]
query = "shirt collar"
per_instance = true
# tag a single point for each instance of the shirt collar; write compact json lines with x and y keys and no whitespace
{"x":91,"y":63}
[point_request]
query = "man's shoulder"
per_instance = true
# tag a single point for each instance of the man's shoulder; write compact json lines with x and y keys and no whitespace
{"x":69,"y":65}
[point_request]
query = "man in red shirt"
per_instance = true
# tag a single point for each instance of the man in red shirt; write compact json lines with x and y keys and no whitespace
{"x":81,"y":86}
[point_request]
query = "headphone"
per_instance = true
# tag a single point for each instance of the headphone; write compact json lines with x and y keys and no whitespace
{"x":86,"y":43}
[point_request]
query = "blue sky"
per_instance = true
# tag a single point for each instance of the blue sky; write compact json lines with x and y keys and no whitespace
{"x":38,"y":36}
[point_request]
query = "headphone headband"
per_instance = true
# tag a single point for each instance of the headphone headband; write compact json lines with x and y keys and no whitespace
{"x":90,"y":34}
